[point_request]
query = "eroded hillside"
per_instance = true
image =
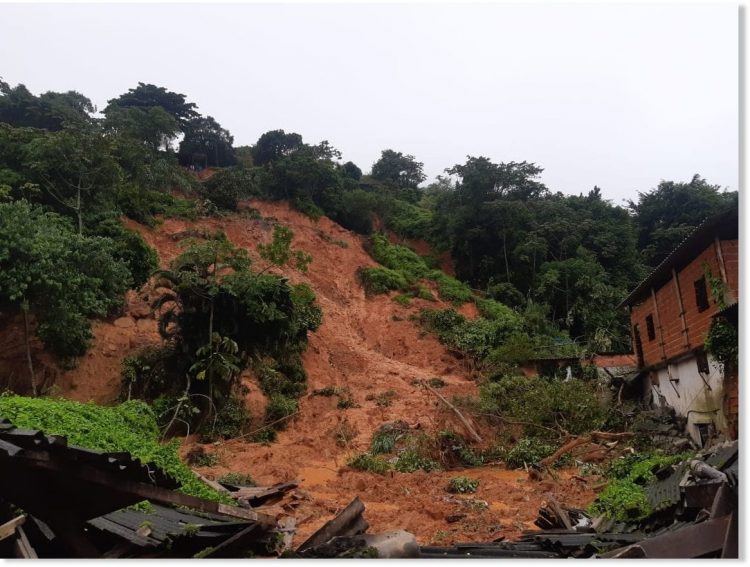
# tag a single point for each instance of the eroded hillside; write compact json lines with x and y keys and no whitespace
{"x":367,"y":346}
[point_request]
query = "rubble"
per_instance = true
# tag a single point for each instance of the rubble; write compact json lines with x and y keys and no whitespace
{"x":695,"y":508}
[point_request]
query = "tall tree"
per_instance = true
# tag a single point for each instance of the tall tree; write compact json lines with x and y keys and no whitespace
{"x":399,"y":170}
{"x":49,"y":111}
{"x":75,"y":167}
{"x":669,"y":212}
{"x":57,"y":276}
{"x":203,"y":135}
{"x":274,"y":145}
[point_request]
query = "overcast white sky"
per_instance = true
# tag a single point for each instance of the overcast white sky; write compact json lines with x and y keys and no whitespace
{"x":619,"y":96}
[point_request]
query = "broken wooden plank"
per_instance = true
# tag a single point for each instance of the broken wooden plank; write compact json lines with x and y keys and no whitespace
{"x":212,"y":483}
{"x":560,"y":514}
{"x":23,"y":548}
{"x":258,"y":495}
{"x":225,"y":548}
{"x":348,"y":522}
{"x":9,"y":527}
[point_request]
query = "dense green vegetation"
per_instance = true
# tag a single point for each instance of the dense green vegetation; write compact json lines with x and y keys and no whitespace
{"x":218,"y":317}
{"x":129,"y":427}
{"x":624,"y":498}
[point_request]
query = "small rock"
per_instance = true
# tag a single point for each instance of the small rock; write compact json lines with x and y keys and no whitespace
{"x":453,"y":518}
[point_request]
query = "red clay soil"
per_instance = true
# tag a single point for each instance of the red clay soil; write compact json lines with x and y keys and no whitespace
{"x":367,"y":345}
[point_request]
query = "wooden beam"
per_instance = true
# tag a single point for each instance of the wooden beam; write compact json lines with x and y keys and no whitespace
{"x":658,"y":324}
{"x":9,"y":528}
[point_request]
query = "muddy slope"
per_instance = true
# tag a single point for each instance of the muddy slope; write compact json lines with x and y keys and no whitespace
{"x":368,"y":345}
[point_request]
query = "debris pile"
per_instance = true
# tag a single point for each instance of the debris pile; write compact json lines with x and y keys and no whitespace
{"x":76,"y":502}
{"x":695,"y":508}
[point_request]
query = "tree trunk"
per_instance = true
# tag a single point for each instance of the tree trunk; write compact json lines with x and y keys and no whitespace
{"x":29,"y":360}
{"x":505,"y":254}
{"x":78,"y":211}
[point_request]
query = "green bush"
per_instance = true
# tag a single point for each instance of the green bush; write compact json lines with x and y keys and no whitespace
{"x":575,"y":405}
{"x":403,"y":300}
{"x":366,"y":462}
{"x":279,"y":407}
{"x":527,"y":451}
{"x":128,"y":427}
{"x":399,"y":258}
{"x":424,"y":293}
{"x":450,"y":289}
{"x":129,"y":247}
{"x":228,"y":423}
{"x":462,"y":485}
{"x":385,"y":438}
{"x":410,"y":461}
{"x":381,"y":280}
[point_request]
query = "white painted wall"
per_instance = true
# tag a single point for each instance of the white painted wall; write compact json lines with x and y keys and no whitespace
{"x":690,"y":396}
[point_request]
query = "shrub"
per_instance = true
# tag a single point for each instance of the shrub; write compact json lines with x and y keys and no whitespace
{"x":385,"y":438}
{"x":381,"y":280}
{"x":424,"y":293}
{"x":410,"y":461}
{"x":454,"y":450}
{"x":526,"y":452}
{"x":228,"y":422}
{"x":450,"y":289}
{"x":575,"y":405}
{"x":130,"y":247}
{"x":279,"y":407}
{"x":399,"y":258}
{"x":366,"y":462}
{"x":462,"y":485}
{"x":403,"y":300}
{"x":436,"y":382}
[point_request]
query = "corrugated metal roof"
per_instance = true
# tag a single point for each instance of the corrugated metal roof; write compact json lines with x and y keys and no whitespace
{"x":726,"y":224}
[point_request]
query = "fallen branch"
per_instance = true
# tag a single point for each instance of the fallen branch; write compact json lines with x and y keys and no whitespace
{"x":560,"y":431}
{"x":582,"y":440}
{"x":460,"y":416}
{"x":266,"y":426}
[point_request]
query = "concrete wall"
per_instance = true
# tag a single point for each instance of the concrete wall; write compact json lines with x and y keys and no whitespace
{"x":690,"y":396}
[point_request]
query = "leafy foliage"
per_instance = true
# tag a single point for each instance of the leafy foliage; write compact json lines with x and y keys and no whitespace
{"x":462,"y":485}
{"x":366,"y":462}
{"x":60,"y":276}
{"x":575,"y":405}
{"x":129,"y":427}
{"x":624,"y":498}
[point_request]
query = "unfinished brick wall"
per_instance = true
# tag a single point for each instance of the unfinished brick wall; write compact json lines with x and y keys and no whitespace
{"x":670,"y":340}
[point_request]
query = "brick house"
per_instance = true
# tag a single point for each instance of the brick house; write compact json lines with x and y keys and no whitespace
{"x":670,"y":314}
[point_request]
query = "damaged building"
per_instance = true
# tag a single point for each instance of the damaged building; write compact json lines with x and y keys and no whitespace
{"x":671,"y":312}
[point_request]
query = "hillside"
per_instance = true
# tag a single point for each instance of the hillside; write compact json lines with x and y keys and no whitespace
{"x":366,"y":344}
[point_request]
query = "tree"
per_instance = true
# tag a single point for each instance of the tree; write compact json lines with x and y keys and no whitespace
{"x":152,"y":126}
{"x":58,"y":276}
{"x":75,"y":167}
{"x":352,"y":171}
{"x":668,"y":213}
{"x":49,"y":111}
{"x":274,"y":145}
{"x":203,"y":135}
{"x":482,"y":180}
{"x":147,"y":96}
{"x":395,"y":168}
